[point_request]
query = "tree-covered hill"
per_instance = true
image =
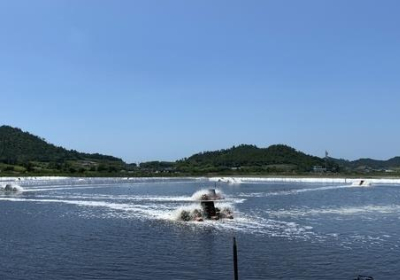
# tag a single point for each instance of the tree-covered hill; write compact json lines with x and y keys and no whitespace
{"x":24,"y":153}
{"x":17,"y":146}
{"x":368,"y":163}
{"x":251,"y":158}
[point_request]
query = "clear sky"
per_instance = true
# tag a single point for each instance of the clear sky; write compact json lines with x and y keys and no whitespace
{"x":161,"y":80}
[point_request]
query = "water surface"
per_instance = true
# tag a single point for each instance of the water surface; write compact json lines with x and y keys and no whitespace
{"x":127,"y":229}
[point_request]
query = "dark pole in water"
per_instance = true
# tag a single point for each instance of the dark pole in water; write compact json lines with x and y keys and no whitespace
{"x":235,"y":261}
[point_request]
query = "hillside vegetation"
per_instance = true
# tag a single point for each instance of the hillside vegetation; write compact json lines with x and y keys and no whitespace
{"x":22,"y":153}
{"x":370,"y":165}
{"x":17,"y":146}
{"x":249,"y":158}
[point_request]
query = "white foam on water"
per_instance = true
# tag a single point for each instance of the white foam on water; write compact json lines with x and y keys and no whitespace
{"x":241,"y":180}
{"x":49,"y":189}
{"x":232,"y":180}
{"x":271,"y":227}
{"x":52,"y":187}
{"x":248,"y":224}
{"x":167,"y":212}
{"x":152,"y":207}
{"x":293,"y":191}
{"x":135,"y":210}
{"x":44,"y":178}
{"x":58,"y":180}
{"x":198,"y":195}
{"x":343,"y":211}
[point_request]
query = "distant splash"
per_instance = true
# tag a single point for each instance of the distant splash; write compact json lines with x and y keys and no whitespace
{"x":10,"y":188}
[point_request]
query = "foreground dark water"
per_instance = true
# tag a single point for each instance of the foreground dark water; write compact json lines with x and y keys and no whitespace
{"x":128,"y":230}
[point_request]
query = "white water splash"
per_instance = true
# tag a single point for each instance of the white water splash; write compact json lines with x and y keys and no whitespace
{"x":198,"y":195}
{"x":14,"y":188}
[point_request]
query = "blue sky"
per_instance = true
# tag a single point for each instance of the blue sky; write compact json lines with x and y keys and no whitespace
{"x":161,"y":80}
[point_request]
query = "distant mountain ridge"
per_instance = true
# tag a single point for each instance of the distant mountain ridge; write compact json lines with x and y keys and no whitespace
{"x":17,"y":146}
{"x":369,"y":163}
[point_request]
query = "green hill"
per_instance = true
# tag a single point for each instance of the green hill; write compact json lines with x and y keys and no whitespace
{"x":368,"y":163}
{"x":21,"y":151}
{"x":249,"y":158}
{"x":17,"y":146}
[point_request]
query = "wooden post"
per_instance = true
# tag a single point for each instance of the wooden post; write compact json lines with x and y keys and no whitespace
{"x":235,"y":260}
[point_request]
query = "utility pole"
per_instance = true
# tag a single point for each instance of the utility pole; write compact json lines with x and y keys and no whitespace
{"x":326,"y":160}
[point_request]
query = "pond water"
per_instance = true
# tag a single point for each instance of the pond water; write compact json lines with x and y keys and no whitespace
{"x":130,"y":229}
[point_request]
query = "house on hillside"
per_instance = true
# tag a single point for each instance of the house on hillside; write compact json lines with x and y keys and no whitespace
{"x":318,"y":169}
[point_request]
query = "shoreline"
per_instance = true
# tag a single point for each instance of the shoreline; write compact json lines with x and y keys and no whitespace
{"x":342,"y":180}
{"x":222,"y":179}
